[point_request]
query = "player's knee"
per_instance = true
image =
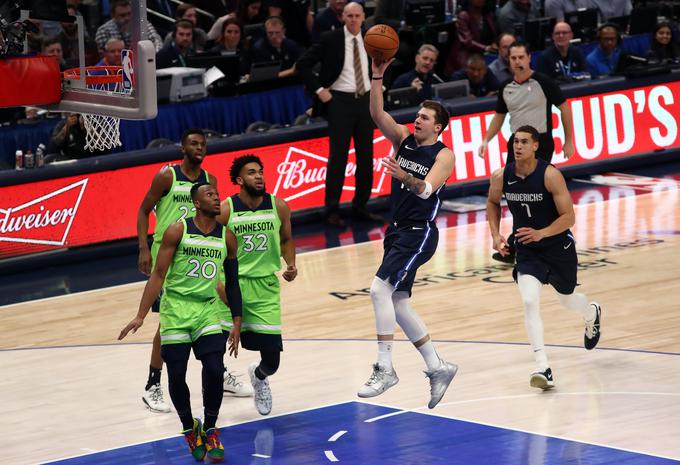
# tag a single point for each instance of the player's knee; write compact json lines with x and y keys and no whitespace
{"x":213,"y":368}
{"x":381,"y":289}
{"x":531,"y":302}
{"x":270,"y":363}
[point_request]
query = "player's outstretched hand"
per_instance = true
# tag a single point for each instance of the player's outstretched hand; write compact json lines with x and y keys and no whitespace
{"x":133,"y":326}
{"x":528,"y":235}
{"x":235,"y":337}
{"x":501,"y":245}
{"x":393,"y":168}
{"x":290,"y":273}
{"x":378,"y":67}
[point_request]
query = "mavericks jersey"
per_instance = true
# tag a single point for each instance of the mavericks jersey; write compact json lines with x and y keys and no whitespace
{"x":257,"y":232}
{"x":417,"y":160}
{"x":195,"y":268}
{"x":176,"y":205}
{"x":530,"y":202}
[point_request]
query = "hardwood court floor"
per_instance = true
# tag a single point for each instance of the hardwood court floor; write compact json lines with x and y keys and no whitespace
{"x":72,"y":389}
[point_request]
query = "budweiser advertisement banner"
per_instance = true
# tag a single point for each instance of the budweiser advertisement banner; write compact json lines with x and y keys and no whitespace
{"x":103,"y":206}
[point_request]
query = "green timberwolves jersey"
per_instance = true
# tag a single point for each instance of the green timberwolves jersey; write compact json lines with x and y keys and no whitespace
{"x":176,"y":205}
{"x":195,"y":268}
{"x":257,"y":232}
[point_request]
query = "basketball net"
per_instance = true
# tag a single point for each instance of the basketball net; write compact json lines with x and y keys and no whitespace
{"x":102,"y":131}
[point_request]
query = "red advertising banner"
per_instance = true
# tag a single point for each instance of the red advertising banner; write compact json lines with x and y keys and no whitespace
{"x":101,"y":207}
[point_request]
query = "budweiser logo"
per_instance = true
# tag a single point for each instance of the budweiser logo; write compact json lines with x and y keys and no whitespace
{"x":45,"y":220}
{"x":302,"y":173}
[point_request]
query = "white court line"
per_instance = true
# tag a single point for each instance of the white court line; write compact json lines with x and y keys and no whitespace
{"x":371,"y":420}
{"x":330,"y":456}
{"x":426,"y":411}
{"x":311,"y":252}
{"x":262,"y":456}
{"x":178,"y":435}
{"x":336,"y":436}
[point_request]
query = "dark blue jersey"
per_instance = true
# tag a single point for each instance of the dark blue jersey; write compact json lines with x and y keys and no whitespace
{"x":530,"y":202}
{"x":407,"y":207}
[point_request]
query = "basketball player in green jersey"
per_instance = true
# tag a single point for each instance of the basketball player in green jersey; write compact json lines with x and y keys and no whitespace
{"x":261,"y":223}
{"x":189,"y":258}
{"x":169,"y":196}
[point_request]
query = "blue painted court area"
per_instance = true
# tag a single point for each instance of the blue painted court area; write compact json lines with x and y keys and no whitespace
{"x":340,"y":434}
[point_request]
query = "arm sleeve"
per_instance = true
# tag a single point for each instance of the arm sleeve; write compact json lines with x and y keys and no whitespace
{"x":232,"y":287}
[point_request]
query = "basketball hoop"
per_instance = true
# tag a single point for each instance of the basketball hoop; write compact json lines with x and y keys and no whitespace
{"x":103,"y":132}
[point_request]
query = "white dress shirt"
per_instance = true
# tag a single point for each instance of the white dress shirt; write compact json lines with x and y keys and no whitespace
{"x":346,"y":82}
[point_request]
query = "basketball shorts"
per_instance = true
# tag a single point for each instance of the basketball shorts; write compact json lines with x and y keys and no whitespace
{"x":184,"y":321}
{"x":406,"y":248}
{"x":261,"y":322}
{"x":554,"y":264}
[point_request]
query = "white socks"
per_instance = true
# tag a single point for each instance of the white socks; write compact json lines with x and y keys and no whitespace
{"x":530,"y":290}
{"x":385,"y":354}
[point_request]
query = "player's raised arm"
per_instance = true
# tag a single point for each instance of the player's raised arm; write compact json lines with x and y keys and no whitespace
{"x":396,"y":133}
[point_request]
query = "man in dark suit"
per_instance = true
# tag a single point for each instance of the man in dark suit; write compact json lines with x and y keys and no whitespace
{"x":342,"y":88}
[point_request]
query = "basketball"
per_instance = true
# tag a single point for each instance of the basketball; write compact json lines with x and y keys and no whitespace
{"x":381,"y":42}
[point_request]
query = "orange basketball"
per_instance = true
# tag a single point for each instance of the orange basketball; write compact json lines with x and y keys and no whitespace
{"x":381,"y":42}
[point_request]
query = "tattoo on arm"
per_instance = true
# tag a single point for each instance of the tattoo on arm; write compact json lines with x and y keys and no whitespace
{"x":413,"y":184}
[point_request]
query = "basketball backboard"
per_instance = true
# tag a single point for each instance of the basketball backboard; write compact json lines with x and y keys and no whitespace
{"x":137,"y":101}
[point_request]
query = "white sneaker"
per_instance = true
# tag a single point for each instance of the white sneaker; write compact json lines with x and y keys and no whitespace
{"x":263,"y":394}
{"x":439,"y":381}
{"x":153,"y":398}
{"x":379,"y":381}
{"x":235,"y":387}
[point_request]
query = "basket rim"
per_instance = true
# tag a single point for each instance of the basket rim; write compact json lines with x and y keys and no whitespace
{"x":113,"y":74}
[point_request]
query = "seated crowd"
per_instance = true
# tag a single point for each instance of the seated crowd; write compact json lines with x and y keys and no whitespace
{"x":279,"y":31}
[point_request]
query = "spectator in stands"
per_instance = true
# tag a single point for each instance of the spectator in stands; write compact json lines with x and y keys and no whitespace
{"x":610,"y":8}
{"x":69,"y":42}
{"x":297,"y":15}
{"x":500,"y":67}
{"x":664,"y":47}
{"x":51,"y":47}
{"x":562,"y":61}
{"x":328,"y":19}
{"x":230,"y":40}
{"x":112,"y":51}
{"x":605,"y":58}
{"x":188,"y":11}
{"x":250,"y":12}
{"x":515,"y":11}
{"x":558,"y":8}
{"x":68,"y":137}
{"x":276,"y":47}
{"x":119,"y":27}
{"x":482,"y":82}
{"x":477,"y":32}
{"x":175,"y":53}
{"x":422,"y":76}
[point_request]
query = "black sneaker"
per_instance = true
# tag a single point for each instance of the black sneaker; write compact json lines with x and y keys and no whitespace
{"x":542,"y":380}
{"x":592,"y":334}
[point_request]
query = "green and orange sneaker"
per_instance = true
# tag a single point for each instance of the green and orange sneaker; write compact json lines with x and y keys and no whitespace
{"x":214,"y":445}
{"x":194,"y":438}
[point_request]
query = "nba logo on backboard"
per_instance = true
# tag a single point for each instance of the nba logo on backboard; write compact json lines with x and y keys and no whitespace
{"x":128,"y":70}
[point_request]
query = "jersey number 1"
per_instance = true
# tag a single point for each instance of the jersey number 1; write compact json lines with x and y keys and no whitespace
{"x":528,"y":209}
